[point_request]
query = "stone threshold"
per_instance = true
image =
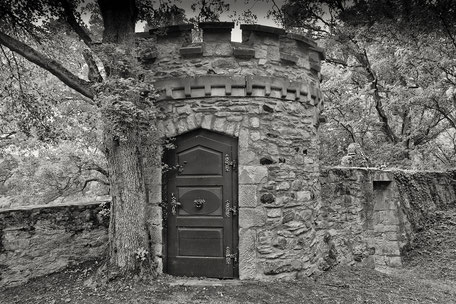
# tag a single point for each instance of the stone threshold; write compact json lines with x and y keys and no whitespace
{"x":204,"y":282}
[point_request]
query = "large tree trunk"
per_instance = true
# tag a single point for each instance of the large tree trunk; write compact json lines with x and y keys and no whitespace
{"x":128,"y":234}
{"x":129,"y":242}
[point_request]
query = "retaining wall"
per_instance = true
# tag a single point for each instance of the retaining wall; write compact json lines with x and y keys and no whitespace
{"x":40,"y":240}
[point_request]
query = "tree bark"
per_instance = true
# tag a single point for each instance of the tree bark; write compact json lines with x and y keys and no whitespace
{"x":128,"y":230}
{"x":119,"y":20}
{"x":129,"y":241}
{"x":48,"y":64}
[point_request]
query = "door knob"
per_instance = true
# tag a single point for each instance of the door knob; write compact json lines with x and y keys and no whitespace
{"x":199,"y":202}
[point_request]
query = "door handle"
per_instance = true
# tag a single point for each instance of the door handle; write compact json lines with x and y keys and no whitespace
{"x":174,"y":204}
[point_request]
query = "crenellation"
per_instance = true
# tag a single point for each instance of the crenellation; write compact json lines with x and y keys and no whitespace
{"x":264,"y":51}
{"x":216,"y":32}
{"x":179,"y":34}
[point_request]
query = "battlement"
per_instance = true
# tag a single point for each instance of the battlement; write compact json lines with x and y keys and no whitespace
{"x":258,"y":42}
{"x":269,"y":62}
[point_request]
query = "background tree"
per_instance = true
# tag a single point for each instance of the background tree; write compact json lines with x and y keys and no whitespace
{"x":118,"y":92}
{"x":114,"y":90}
{"x":388,"y":79}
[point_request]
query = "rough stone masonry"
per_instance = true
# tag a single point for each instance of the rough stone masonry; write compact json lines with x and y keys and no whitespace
{"x":294,"y":218}
{"x":265,"y":92}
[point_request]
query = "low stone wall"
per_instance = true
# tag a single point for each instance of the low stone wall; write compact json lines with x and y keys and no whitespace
{"x":40,"y":240}
{"x":370,"y":216}
{"x":365,"y":216}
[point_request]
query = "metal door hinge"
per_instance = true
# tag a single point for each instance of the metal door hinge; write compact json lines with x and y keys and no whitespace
{"x":229,"y":209}
{"x":230,"y":164}
{"x":230,"y":256}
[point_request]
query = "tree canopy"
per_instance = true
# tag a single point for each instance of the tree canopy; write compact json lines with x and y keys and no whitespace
{"x":389,"y":84}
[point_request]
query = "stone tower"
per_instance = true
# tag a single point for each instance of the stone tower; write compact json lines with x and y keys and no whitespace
{"x":263,"y":95}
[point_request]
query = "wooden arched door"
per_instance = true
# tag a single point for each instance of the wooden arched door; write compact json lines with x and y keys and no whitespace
{"x":200,"y":192}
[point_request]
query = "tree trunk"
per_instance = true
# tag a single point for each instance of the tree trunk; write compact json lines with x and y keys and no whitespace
{"x":129,"y":241}
{"x":119,"y":20}
{"x":128,"y":234}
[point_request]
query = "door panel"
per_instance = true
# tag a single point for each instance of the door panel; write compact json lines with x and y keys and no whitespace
{"x":200,"y":161}
{"x":199,"y":200}
{"x":201,"y":231}
{"x":207,"y":242}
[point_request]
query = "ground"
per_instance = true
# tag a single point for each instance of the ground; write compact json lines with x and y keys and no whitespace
{"x":429,"y":276}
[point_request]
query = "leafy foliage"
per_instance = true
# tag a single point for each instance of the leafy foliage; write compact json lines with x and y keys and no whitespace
{"x":389,"y":77}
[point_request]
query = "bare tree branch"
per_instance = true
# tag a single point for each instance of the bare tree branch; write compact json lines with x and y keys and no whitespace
{"x":94,"y":73}
{"x":97,"y":168}
{"x":94,"y":180}
{"x":7,"y":135}
{"x":77,"y":28}
{"x":48,"y":64}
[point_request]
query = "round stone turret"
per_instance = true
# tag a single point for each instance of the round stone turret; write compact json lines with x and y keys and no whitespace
{"x":264,"y":92}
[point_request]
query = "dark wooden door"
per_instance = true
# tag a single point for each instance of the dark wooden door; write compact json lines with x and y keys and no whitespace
{"x":201,"y":195}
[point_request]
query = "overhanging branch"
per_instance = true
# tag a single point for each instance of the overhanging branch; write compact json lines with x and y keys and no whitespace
{"x":48,"y":64}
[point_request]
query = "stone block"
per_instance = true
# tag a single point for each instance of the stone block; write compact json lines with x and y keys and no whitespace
{"x":243,"y":53}
{"x":280,"y":266}
{"x":182,"y":126}
{"x":255,"y":135}
{"x":385,"y":204}
{"x":191,"y":51}
{"x":388,"y":248}
{"x":296,"y":185}
{"x":385,"y":228}
{"x":219,"y":125}
{"x":251,"y":217}
{"x":155,"y":233}
{"x":247,"y":157}
{"x":218,"y":49}
{"x":386,"y":217}
{"x":247,"y":254}
{"x":274,"y":212}
{"x":224,"y":63}
{"x":248,"y":196}
{"x":244,"y":139}
{"x":283,"y":186}
{"x":382,"y":176}
{"x":391,"y":236}
{"x":304,"y":196}
{"x":252,"y":174}
{"x":207,"y":122}
{"x":198,"y":119}
{"x":394,"y":261}
{"x":230,"y":127}
{"x":155,"y":194}
{"x":254,"y":122}
{"x":170,"y":129}
{"x":154,"y":215}
{"x":184,"y":110}
{"x":191,"y":122}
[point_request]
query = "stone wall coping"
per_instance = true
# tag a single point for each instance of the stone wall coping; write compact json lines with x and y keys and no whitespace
{"x":390,"y":170}
{"x":302,"y":38}
{"x":35,"y":207}
{"x":222,"y":26}
{"x":184,"y":27}
{"x":263,"y":29}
